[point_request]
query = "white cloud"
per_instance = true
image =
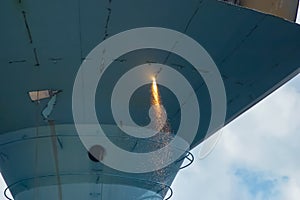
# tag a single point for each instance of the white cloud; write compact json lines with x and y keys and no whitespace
{"x":2,"y":188}
{"x":264,"y":140}
{"x":298,"y":16}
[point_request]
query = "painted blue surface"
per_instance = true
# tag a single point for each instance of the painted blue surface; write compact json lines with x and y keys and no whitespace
{"x":44,"y":42}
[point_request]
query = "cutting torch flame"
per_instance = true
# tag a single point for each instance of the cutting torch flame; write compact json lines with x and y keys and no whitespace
{"x":155,"y":93}
{"x":158,"y":109}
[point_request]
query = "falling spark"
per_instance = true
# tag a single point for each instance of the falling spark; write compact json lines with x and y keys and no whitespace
{"x":162,"y":126}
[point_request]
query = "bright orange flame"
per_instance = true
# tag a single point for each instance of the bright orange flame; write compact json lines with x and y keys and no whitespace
{"x":156,"y":103}
{"x":155,"y":94}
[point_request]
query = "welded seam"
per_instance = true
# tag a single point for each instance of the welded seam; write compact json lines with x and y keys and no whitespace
{"x":79,"y":30}
{"x":107,"y":20}
{"x":16,"y":61}
{"x":37,"y":63}
{"x":269,"y":72}
{"x":185,"y":29}
{"x":147,"y":181}
{"x":3,"y":157}
{"x":191,"y":19}
{"x":134,"y":146}
{"x":193,"y":16}
{"x":27,"y":26}
{"x":238,"y":46}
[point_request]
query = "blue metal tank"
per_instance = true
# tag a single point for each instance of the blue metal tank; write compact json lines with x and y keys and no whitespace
{"x":64,"y":132}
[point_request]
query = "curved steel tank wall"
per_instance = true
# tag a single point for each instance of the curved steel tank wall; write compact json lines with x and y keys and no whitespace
{"x":43,"y":44}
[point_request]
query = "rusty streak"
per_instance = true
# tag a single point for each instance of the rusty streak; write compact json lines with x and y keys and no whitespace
{"x":55,"y":153}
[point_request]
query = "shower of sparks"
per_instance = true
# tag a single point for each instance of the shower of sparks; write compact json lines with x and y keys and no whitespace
{"x":162,"y":127}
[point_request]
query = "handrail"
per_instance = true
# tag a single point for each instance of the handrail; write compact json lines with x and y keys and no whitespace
{"x":164,"y":186}
{"x":188,"y":156}
{"x":5,"y":193}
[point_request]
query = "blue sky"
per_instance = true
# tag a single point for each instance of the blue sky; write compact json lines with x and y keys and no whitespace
{"x":257,"y":157}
